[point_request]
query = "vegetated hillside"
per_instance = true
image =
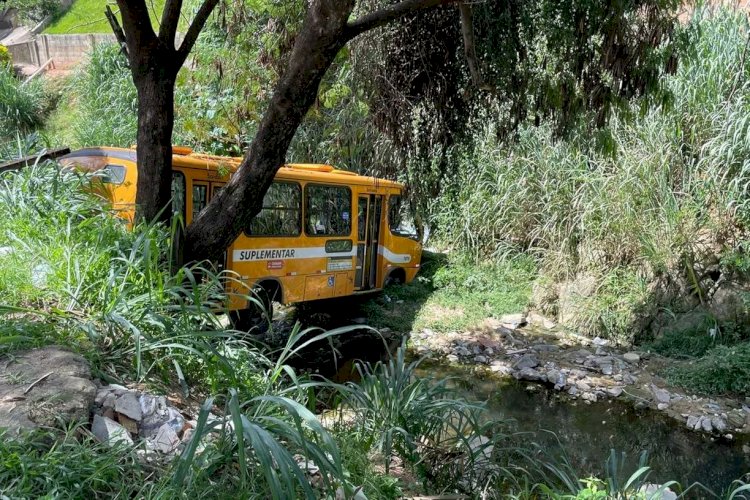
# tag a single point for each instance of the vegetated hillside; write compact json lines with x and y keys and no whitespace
{"x":87,"y":16}
{"x":639,"y":229}
{"x":636,"y":228}
{"x":73,"y":274}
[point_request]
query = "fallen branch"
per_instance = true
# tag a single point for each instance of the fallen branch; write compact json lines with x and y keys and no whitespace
{"x":11,"y":399}
{"x":31,"y":386}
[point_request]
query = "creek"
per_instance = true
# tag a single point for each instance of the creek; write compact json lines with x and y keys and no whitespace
{"x":585,"y":433}
{"x":580,"y":432}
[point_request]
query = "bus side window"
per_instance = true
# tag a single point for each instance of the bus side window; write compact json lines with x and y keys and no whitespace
{"x":111,"y":174}
{"x":178,"y":194}
{"x":329,"y":210}
{"x":400,"y":220}
{"x":200,"y":199}
{"x":281,"y":214}
{"x":362,"y":218}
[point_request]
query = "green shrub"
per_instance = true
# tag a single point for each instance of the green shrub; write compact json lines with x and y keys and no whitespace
{"x":723,"y":370}
{"x":698,"y":339}
{"x":682,"y":344}
{"x":397,"y":412}
{"x":22,"y":107}
{"x":616,"y":309}
{"x":5,"y":57}
{"x":47,"y":465}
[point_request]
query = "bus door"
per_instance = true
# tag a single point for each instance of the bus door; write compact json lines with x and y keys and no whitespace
{"x":202,"y":193}
{"x":369,"y":212}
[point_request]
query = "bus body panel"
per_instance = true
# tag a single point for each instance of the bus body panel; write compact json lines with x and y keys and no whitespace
{"x":306,"y":266}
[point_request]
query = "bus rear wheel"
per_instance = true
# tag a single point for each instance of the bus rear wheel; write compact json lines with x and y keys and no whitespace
{"x":257,"y":316}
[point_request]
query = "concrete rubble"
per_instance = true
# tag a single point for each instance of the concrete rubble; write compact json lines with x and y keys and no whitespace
{"x":136,"y":417}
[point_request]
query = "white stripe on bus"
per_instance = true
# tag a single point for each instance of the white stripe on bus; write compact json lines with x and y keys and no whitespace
{"x":259,"y":254}
{"x":396,"y":258}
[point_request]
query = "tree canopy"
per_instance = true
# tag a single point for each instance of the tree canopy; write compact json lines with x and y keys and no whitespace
{"x":428,"y":71}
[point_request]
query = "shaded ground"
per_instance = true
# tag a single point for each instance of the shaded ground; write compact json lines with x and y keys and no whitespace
{"x":580,"y":368}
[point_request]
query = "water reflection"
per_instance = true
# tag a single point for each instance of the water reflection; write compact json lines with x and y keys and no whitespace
{"x":587,"y":433}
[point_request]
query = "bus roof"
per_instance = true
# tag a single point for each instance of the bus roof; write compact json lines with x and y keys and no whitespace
{"x":186,"y":158}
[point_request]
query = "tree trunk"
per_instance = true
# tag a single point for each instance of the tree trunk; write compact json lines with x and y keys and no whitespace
{"x":155,"y":124}
{"x":323,"y":35}
{"x":154,"y":63}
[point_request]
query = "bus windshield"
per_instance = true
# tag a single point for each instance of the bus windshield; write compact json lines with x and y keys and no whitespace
{"x":400,"y":219}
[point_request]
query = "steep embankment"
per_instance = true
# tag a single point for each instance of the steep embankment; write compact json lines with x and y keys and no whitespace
{"x":640,"y":231}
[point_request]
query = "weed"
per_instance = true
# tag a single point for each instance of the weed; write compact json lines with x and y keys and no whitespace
{"x":722,"y":370}
{"x":47,"y":464}
{"x":418,"y":419}
{"x":22,"y":107}
{"x":455,"y":293}
{"x":100,"y":107}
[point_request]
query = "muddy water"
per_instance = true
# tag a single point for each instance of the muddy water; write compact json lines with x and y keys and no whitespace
{"x":584,"y":433}
{"x":587,"y":432}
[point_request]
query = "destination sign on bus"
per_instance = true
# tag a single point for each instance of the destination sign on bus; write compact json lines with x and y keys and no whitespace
{"x":264,"y":254}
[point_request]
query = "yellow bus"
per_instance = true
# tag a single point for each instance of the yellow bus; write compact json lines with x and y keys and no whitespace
{"x":322,"y":232}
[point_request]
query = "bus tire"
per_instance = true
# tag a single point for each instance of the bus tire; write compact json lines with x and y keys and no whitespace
{"x":257,"y":316}
{"x":395,"y":277}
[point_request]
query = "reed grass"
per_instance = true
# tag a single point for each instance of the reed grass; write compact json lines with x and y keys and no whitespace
{"x":642,"y":200}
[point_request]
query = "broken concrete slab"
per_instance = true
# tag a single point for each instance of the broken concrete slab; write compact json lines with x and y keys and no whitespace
{"x":128,"y":405}
{"x":108,"y":431}
{"x":166,"y":439}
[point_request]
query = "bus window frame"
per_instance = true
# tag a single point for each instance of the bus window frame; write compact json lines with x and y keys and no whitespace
{"x":183,"y":209}
{"x":411,"y":236}
{"x":198,"y":183}
{"x":106,"y":170}
{"x":305,"y":215}
{"x":300,"y":219}
{"x":337,"y":240}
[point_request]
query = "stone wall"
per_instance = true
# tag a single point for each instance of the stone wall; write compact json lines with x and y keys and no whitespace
{"x":62,"y":49}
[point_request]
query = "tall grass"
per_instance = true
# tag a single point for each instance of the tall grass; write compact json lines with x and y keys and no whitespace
{"x":22,"y":107}
{"x":646,"y":198}
{"x":35,"y":467}
{"x":100,"y":104}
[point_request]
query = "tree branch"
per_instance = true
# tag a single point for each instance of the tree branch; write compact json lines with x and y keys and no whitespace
{"x":195,"y":28}
{"x":170,"y":18}
{"x":136,"y":24}
{"x":390,"y":13}
{"x":467,"y":31}
{"x":117,"y":30}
